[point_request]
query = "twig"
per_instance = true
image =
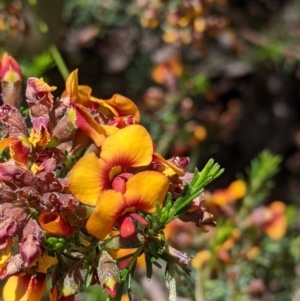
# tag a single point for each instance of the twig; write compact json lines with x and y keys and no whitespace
{"x":262,"y":40}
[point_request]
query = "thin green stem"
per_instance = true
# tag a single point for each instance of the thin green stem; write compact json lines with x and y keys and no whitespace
{"x":199,"y":285}
{"x":60,"y":63}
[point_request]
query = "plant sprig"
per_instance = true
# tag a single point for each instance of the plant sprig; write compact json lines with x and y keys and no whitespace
{"x":263,"y":168}
{"x":192,"y":190}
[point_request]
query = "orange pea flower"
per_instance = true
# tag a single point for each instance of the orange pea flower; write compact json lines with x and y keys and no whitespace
{"x":106,"y":183}
{"x":271,"y":219}
{"x":276,"y":225}
{"x":24,"y":288}
{"x":236,"y":190}
{"x":127,"y":148}
{"x":81,"y":103}
{"x":163,"y":72}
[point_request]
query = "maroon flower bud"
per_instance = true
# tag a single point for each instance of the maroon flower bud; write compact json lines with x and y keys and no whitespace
{"x":6,"y":193}
{"x":48,"y":153}
{"x":39,"y":97}
{"x":12,"y":174}
{"x":65,"y":129}
{"x":8,"y":228}
{"x":13,"y":121}
{"x":187,"y":178}
{"x":30,"y":246}
{"x":75,"y":217}
{"x":81,"y":141}
{"x":59,"y":201}
{"x":180,"y":162}
{"x":11,"y":223}
{"x":200,"y":216}
{"x":30,"y":250}
{"x":71,"y":282}
{"x":47,"y":166}
{"x":60,"y":109}
{"x":47,"y":182}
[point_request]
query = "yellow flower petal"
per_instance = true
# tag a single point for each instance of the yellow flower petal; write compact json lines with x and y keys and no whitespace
{"x":84,"y":94}
{"x":5,"y":254}
{"x":16,"y":288}
{"x":145,"y":189}
{"x":45,"y":262}
{"x":88,"y":125}
{"x":125,"y":297}
{"x":105,"y":108}
{"x":124,"y":106}
{"x":110,"y":206}
{"x":4,"y":143}
{"x":170,"y":169}
{"x":110,"y":129}
{"x":129,"y":147}
{"x":84,"y":180}
{"x":72,"y":86}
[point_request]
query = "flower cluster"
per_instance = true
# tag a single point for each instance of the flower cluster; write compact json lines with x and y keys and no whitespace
{"x":11,"y":20}
{"x":79,"y":183}
{"x":188,"y":22}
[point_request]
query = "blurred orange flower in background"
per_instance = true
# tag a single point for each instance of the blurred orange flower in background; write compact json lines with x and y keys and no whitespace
{"x":163,"y":72}
{"x":271,"y":219}
{"x":235,"y":191}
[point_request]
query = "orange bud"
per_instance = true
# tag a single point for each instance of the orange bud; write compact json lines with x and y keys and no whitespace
{"x":10,"y":70}
{"x":53,"y":223}
{"x":11,"y":81}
